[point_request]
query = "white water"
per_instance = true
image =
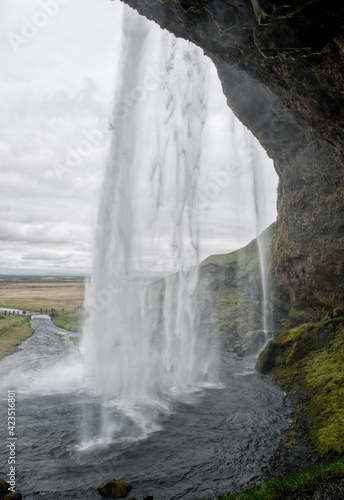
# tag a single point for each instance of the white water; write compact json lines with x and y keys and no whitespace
{"x":259,"y":199}
{"x":142,"y":354}
{"x":141,"y":345}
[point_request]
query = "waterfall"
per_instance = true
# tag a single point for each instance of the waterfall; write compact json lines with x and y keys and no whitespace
{"x":141,"y":346}
{"x":262,"y":236}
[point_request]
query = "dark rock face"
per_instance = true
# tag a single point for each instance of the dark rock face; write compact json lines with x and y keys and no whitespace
{"x":282,"y":69}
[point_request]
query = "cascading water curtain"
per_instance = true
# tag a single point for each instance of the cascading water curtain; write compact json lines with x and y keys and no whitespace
{"x":141,"y":346}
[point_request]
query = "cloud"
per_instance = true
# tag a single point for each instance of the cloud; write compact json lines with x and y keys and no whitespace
{"x":56,"y":87}
{"x":43,"y":256}
{"x":57,"y":95}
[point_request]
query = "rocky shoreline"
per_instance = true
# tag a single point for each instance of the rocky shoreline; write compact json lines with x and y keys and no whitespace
{"x":293,"y":454}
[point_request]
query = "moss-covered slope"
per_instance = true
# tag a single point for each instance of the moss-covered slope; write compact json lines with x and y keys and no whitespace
{"x":230,"y":289}
{"x":310,"y":359}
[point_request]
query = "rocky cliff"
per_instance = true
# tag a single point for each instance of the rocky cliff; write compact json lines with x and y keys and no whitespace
{"x":282,"y":70}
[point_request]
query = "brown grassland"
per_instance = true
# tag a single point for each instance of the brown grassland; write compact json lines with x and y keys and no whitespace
{"x":32,"y":296}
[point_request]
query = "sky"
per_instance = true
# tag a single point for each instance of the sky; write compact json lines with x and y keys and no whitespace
{"x":58,"y":62}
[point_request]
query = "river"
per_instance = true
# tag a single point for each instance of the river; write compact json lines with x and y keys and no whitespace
{"x":213,"y":441}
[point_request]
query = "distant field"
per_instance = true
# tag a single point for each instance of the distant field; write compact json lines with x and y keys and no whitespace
{"x":33,"y":295}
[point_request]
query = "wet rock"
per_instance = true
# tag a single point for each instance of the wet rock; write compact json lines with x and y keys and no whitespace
{"x":114,"y":489}
{"x":266,"y":359}
{"x":251,"y":343}
{"x":6,"y":494}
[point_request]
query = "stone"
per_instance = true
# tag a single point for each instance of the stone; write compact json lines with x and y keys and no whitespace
{"x":266,"y":359}
{"x":114,"y":489}
{"x":254,"y":342}
{"x":5,"y":494}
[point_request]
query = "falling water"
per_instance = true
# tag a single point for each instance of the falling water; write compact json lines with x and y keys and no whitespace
{"x":141,"y":345}
{"x":145,"y":363}
{"x":262,"y":236}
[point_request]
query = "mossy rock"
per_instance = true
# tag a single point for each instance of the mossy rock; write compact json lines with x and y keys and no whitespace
{"x":267,"y":358}
{"x":5,"y":494}
{"x":114,"y":489}
{"x":294,"y":345}
{"x":310,"y":359}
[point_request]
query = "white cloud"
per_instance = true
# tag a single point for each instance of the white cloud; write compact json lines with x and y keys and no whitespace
{"x":57,"y":86}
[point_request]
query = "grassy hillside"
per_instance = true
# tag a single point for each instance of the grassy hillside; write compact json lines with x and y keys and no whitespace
{"x":72,"y":321}
{"x":13,"y":330}
{"x":294,"y":486}
{"x":231,"y":292}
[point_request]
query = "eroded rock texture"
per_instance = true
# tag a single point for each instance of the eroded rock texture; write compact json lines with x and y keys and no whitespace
{"x":281,"y":67}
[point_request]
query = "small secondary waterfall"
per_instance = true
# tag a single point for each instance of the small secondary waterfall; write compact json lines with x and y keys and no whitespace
{"x":141,"y":342}
{"x":258,"y":195}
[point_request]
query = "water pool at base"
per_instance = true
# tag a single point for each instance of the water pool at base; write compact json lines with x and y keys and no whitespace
{"x":211,"y":442}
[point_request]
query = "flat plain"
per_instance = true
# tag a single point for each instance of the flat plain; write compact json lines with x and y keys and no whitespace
{"x":36,"y":293}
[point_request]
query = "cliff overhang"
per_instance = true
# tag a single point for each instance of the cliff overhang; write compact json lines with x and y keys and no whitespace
{"x":281,"y":68}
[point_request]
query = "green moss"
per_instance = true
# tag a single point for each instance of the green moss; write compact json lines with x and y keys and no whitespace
{"x":283,"y":486}
{"x":13,"y":331}
{"x":302,"y":315}
{"x":230,"y":289}
{"x":5,"y":494}
{"x":311,"y":358}
{"x":243,"y":261}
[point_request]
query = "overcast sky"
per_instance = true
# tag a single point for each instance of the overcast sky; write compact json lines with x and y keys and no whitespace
{"x":58,"y":62}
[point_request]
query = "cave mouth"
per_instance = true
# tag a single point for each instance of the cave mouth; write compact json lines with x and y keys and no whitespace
{"x":281,"y":69}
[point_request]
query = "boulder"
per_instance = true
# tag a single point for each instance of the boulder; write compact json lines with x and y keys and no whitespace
{"x":266,"y":359}
{"x":251,"y":343}
{"x":114,"y":489}
{"x":5,"y":494}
